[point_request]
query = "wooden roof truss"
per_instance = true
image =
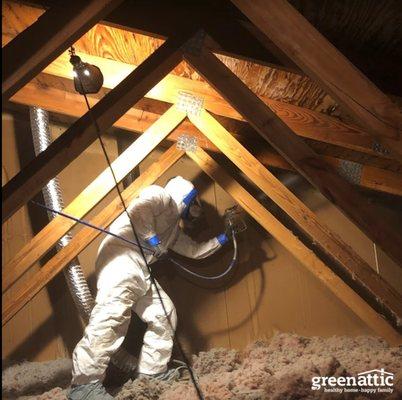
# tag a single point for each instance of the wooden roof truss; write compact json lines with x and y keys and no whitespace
{"x":370,"y":301}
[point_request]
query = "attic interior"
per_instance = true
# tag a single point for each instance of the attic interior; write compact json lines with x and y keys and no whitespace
{"x":288,"y":111}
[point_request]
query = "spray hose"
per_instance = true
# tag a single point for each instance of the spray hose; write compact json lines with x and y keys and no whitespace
{"x":215,"y":277}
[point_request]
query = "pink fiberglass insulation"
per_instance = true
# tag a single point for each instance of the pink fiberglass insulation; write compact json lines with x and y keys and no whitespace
{"x":35,"y":377}
{"x":277,"y":370}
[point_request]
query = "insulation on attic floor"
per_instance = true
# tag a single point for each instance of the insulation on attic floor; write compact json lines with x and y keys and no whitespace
{"x":276,"y":370}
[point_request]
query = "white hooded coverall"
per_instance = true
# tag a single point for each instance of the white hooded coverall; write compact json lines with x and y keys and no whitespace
{"x":124,"y":283}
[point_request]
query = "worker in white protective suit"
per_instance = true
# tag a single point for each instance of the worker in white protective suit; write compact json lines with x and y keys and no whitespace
{"x":124,"y":284}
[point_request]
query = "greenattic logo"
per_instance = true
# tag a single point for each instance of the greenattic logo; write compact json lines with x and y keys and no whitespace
{"x":369,"y":382}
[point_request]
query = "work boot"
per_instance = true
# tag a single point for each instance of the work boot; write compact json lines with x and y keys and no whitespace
{"x":90,"y":391}
{"x":172,"y":374}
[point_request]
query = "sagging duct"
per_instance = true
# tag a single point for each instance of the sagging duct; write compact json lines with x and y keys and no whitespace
{"x":73,"y":273}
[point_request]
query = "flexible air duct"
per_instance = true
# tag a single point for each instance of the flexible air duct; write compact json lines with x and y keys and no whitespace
{"x":73,"y":273}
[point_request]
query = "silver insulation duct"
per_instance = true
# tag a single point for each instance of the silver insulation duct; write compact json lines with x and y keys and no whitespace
{"x":73,"y":273}
{"x":53,"y":198}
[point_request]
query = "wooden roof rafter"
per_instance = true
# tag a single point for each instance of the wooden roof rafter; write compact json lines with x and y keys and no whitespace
{"x":304,"y":122}
{"x":160,"y":19}
{"x":260,"y":116}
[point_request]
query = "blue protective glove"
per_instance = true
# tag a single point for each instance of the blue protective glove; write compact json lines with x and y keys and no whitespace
{"x":154,"y":241}
{"x":222,"y":238}
{"x":159,"y":251}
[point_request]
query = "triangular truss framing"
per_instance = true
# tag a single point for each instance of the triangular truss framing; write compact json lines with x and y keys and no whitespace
{"x":20,"y":189}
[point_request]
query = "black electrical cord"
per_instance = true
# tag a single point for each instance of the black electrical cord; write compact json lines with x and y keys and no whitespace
{"x":153,"y":281}
{"x":86,"y":223}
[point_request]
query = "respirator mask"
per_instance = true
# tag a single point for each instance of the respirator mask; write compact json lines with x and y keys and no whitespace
{"x":193,"y":219}
{"x":194,"y":211}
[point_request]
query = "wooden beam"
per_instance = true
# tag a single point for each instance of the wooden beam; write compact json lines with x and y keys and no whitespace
{"x":320,"y":60}
{"x":86,"y":235}
{"x":378,"y":226}
{"x":83,"y":132}
{"x":373,"y":178}
{"x":388,"y":300}
{"x":302,"y":121}
{"x":59,"y":101}
{"x":377,"y":179}
{"x":305,"y":256}
{"x":327,"y":149}
{"x":90,"y":196}
{"x":38,"y":45}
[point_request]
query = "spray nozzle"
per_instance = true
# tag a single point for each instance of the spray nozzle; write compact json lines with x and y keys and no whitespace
{"x":234,"y":219}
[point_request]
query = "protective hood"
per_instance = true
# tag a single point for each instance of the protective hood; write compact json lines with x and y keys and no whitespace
{"x":182,"y":192}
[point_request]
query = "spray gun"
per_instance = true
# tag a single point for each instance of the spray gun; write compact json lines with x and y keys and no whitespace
{"x":234,"y":220}
{"x":234,"y":224}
